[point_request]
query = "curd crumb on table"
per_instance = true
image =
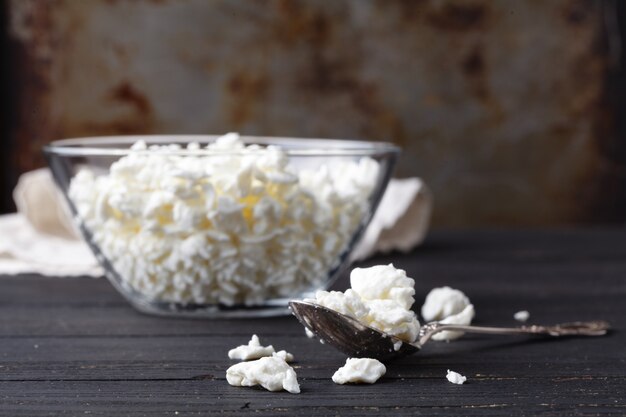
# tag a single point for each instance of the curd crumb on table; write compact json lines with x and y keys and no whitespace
{"x":359,"y":371}
{"x":253,"y":350}
{"x":284,"y":355}
{"x":443,"y":302}
{"x":455,"y":377}
{"x":447,"y":306}
{"x":272,"y":373}
{"x":463,"y":318}
{"x":522,"y":316}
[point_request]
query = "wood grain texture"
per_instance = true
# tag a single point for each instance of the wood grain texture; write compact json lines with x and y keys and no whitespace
{"x":74,"y":347}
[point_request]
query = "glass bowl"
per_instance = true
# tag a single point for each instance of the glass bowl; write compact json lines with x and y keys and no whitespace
{"x":208,"y":226}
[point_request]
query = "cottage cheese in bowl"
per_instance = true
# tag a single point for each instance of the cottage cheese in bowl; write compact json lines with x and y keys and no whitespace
{"x":228,"y":224}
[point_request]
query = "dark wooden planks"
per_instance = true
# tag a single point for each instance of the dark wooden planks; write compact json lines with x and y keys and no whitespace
{"x":121,"y":320}
{"x":317,"y":397}
{"x":168,"y":358}
{"x":73,"y":346}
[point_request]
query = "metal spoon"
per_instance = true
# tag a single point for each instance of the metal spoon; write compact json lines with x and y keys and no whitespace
{"x":358,"y":340}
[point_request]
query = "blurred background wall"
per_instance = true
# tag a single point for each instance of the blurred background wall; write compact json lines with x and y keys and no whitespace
{"x":508,"y":110}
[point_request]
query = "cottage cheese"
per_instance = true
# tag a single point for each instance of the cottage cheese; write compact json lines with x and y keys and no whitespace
{"x":228,"y":224}
{"x":383,"y":282}
{"x":284,"y":355}
{"x":348,"y":303}
{"x":455,"y":377}
{"x":272,"y":373}
{"x":522,"y":316}
{"x":463,"y":318}
{"x":359,"y":370}
{"x":448,"y":306}
{"x":443,"y":302}
{"x":254,"y":350}
{"x":380,"y":297}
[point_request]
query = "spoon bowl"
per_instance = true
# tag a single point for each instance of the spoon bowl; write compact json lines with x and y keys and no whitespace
{"x":356,"y":339}
{"x":349,"y":335}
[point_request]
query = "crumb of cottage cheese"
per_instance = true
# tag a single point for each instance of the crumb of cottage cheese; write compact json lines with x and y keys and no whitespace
{"x":229,"y":223}
{"x":455,"y":377}
{"x":522,"y":316}
{"x":272,"y":373}
{"x":381,"y":297}
{"x":284,"y":355}
{"x":464,"y":318}
{"x":383,"y":282}
{"x":348,"y":302}
{"x":443,"y":302}
{"x":253,"y":350}
{"x":448,"y":306}
{"x":359,"y":371}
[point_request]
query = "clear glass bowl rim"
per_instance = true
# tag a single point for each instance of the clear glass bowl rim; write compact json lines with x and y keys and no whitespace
{"x":292,"y":146}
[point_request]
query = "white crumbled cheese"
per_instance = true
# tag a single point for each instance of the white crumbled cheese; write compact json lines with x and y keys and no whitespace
{"x":380,"y":297}
{"x":348,"y":303}
{"x":443,"y":302}
{"x":522,"y":316}
{"x":393,"y":319}
{"x":359,"y":370}
{"x":253,"y":350}
{"x":284,"y":355}
{"x":455,"y":377}
{"x":383,"y":282}
{"x":447,"y":306}
{"x":272,"y":373}
{"x":229,"y":223}
{"x":463,"y":318}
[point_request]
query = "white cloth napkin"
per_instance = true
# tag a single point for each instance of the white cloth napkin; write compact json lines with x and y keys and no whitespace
{"x":401,"y":221}
{"x":26,"y":250}
{"x":44,"y":241}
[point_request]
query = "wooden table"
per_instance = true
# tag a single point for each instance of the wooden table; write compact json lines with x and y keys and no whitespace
{"x":73,"y":346}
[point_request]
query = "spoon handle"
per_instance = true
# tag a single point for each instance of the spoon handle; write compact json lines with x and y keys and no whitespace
{"x":577,"y":328}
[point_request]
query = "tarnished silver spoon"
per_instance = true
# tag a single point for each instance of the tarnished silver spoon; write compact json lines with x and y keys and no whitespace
{"x":358,"y":340}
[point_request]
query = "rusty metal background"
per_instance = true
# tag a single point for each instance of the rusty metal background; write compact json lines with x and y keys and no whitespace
{"x":502,"y":107}
{"x":5,"y":105}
